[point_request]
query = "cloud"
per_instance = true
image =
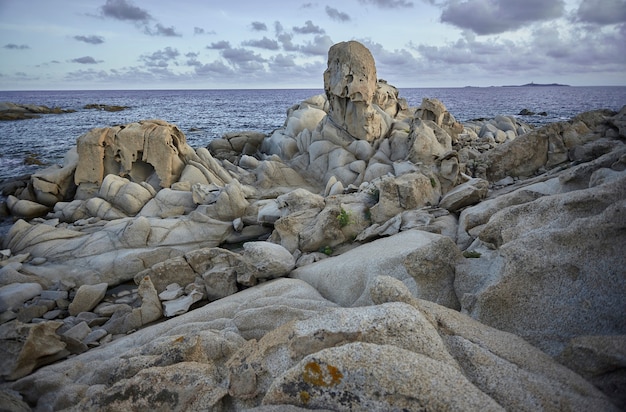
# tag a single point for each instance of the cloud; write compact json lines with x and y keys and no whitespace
{"x":123,"y":10}
{"x":160,"y":58}
{"x":602,"y":11}
{"x":309,"y":28}
{"x":264,"y":43}
{"x":86,"y":60}
{"x":281,"y":60}
{"x":551,"y":51}
{"x":220,"y":45}
{"x":90,"y":39}
{"x":198,"y":31}
{"x":337,"y":15}
{"x":240,"y":55}
{"x":318,"y":47}
{"x":192,"y":59}
{"x":388,"y":4}
{"x":258,"y":26}
{"x":160,"y":30}
{"x":308,"y":5}
{"x":12,"y":46}
{"x":286,"y":40}
{"x":498,"y":16}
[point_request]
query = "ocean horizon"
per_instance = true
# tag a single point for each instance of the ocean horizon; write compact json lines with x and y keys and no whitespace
{"x":207,"y":114}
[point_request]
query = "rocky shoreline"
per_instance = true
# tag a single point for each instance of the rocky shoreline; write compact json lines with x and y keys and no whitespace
{"x":13,"y":111}
{"x":366,"y":255}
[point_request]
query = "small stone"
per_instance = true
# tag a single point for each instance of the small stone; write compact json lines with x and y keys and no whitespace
{"x":108,"y":309}
{"x":38,"y":261}
{"x":27,"y":313}
{"x":54,"y":294}
{"x":95,"y":335}
{"x":49,"y":304}
{"x":171,"y":292}
{"x":78,"y":332}
{"x":52,"y":314}
{"x":238,"y":224}
{"x":126,"y":300}
{"x":87,"y":297}
{"x":180,"y":305}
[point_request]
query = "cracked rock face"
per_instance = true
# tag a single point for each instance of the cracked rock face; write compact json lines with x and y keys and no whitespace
{"x":350,"y":85}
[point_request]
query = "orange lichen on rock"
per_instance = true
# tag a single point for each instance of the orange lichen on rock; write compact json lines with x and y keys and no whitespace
{"x":315,"y":375}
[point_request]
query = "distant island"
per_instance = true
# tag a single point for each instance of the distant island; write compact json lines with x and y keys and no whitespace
{"x":533,"y":84}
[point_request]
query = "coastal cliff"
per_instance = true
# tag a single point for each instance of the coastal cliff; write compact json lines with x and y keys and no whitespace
{"x":366,"y":255}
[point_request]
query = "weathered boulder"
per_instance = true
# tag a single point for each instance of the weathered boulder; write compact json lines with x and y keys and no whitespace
{"x":116,"y":251}
{"x":269,"y":259}
{"x":26,"y":209}
{"x":466,"y":194}
{"x":409,"y":191}
{"x":25,"y":347}
{"x":423,"y":261}
{"x":14,"y":295}
{"x":149,"y":150}
{"x":360,"y":375}
{"x":602,"y":361}
{"x":169,"y":203}
{"x":561,"y":253}
{"x":545,"y":147}
{"x":124,"y":195}
{"x":350,"y":85}
{"x":209,"y":335}
{"x":236,"y":144}
{"x":55,"y":183}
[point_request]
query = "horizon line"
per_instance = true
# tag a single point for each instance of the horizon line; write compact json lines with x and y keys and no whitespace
{"x":297,"y":88}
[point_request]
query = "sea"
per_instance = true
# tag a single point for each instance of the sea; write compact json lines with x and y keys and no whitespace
{"x":204,"y":115}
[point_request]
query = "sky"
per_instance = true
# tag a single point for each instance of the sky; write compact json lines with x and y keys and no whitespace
{"x":252,"y":44}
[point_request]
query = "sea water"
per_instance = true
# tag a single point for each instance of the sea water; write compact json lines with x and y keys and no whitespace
{"x":204,"y":115}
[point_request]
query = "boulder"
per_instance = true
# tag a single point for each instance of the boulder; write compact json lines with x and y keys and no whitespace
{"x":116,"y":251}
{"x":13,"y":296}
{"x":26,"y":209}
{"x":360,"y":375}
{"x":350,"y":85}
{"x":137,"y":150}
{"x":124,"y":195}
{"x":602,"y":361}
{"x":269,"y":259}
{"x":206,"y":335}
{"x":466,"y":194}
{"x":56,"y":183}
{"x":409,"y":191}
{"x":26,"y":347}
{"x":423,"y":261}
{"x":169,"y":203}
{"x":561,"y":253}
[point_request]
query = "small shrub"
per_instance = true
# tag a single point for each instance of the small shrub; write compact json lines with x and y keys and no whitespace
{"x":344,"y":218}
{"x":327,"y":250}
{"x":433,"y":182}
{"x":471,"y":255}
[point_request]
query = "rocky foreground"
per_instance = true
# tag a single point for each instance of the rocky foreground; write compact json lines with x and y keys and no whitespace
{"x":365,"y":256}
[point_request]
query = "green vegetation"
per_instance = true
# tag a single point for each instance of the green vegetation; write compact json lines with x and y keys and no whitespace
{"x":433,"y":182}
{"x":343,"y":218}
{"x":471,"y":255}
{"x":327,"y":250}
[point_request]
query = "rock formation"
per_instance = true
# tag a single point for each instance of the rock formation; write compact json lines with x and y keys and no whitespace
{"x":366,"y":255}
